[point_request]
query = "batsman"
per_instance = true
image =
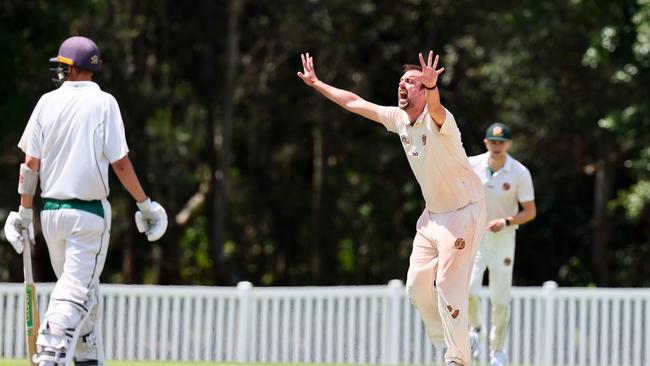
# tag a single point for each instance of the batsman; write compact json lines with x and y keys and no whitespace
{"x":74,"y":133}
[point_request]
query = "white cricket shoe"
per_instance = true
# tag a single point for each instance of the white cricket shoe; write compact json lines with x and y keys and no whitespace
{"x":498,"y":358}
{"x":474,"y":344}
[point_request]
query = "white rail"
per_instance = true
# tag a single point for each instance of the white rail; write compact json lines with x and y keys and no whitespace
{"x":355,"y":324}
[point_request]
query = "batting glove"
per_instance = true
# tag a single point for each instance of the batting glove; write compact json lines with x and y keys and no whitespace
{"x":16,"y":223}
{"x":151,"y":219}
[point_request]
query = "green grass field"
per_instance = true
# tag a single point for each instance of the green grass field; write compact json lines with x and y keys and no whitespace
{"x":23,"y":362}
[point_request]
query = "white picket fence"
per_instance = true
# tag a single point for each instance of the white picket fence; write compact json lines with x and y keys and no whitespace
{"x":344,"y":324}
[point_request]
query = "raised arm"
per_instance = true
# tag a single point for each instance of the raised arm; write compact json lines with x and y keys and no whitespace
{"x":344,"y":98}
{"x":429,"y":79}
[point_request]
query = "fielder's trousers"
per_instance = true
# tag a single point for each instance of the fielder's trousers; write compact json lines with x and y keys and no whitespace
{"x":497,"y":254}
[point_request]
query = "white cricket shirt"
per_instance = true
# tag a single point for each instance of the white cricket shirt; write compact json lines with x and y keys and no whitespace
{"x":76,"y":131}
{"x":437,"y":158}
{"x":505,"y":188}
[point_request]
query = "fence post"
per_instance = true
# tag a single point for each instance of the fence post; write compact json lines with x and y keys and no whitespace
{"x":550,"y":289}
{"x":244,"y":293}
{"x":395,"y":290}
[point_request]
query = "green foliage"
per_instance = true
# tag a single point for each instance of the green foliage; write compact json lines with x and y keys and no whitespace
{"x":314,"y":194}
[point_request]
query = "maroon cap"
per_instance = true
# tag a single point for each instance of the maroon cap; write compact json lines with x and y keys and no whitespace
{"x":80,"y":51}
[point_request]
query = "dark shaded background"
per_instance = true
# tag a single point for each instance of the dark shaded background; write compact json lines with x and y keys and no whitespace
{"x":266,"y":181}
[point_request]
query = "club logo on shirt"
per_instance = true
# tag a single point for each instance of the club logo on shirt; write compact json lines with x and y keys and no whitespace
{"x":405,"y":139}
{"x":459,"y":243}
{"x":506,"y":186}
{"x":454,"y":312}
{"x":507,"y":262}
{"x":424,"y":139}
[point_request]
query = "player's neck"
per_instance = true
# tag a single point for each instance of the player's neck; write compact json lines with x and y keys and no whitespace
{"x":414,"y":113}
{"x":496,"y":163}
{"x":82,"y":77}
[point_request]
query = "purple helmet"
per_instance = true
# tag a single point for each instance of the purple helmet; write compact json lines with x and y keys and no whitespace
{"x":79,"y":51}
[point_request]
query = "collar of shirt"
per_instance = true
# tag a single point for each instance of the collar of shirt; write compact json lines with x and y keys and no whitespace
{"x":80,"y":84}
{"x":420,"y":117}
{"x":507,"y":166}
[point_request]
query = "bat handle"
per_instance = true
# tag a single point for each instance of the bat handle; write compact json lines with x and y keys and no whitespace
{"x":27,"y":257}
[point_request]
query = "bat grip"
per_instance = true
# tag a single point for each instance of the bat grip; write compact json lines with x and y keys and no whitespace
{"x":27,"y":257}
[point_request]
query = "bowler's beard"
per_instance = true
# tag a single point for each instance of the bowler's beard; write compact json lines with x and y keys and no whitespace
{"x":403,"y":103}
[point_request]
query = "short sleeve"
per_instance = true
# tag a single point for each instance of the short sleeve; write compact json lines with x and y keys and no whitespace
{"x":388,"y":116}
{"x":449,"y":126}
{"x":32,"y":139}
{"x":525,"y":191}
{"x":115,"y":147}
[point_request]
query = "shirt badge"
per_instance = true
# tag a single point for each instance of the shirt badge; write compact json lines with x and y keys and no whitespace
{"x":405,"y":139}
{"x":506,"y":186}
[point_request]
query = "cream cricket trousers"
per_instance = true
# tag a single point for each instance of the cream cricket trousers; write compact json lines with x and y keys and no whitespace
{"x":497,"y":254}
{"x":439,"y":273}
{"x":77,"y":234}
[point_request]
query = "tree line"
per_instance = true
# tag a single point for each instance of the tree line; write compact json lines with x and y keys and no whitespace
{"x":265,"y":181}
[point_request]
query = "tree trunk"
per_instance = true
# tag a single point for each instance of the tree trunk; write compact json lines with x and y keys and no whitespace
{"x":224,"y":139}
{"x":603,"y":187}
{"x":316,"y":204}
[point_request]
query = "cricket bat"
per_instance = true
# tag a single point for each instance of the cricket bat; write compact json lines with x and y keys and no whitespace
{"x":32,"y":322}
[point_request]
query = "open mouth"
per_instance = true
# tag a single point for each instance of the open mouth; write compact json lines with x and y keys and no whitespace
{"x":403,"y":94}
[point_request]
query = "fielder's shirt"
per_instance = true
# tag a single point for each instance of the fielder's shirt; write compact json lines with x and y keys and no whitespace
{"x":437,"y":158}
{"x":505,"y":188}
{"x":76,"y":131}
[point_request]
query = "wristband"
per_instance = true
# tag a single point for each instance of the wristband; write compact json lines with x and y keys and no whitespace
{"x":145,"y":205}
{"x":507,"y":221}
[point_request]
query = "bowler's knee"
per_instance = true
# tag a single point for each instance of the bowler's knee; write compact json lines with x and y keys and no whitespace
{"x":420,"y":295}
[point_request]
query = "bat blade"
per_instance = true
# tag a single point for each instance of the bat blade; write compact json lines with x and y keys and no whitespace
{"x":32,"y":321}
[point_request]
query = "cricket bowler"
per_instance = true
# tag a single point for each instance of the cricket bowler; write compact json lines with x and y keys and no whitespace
{"x":451,"y":226}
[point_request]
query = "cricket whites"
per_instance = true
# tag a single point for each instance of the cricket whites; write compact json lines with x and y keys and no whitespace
{"x":32,"y":322}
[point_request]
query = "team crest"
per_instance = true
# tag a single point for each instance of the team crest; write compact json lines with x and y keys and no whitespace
{"x":506,"y":186}
{"x":454,"y":312}
{"x":405,"y":140}
{"x":497,"y":131}
{"x":94,"y":60}
{"x":424,"y":139}
{"x":459,"y":243}
{"x":507,"y":262}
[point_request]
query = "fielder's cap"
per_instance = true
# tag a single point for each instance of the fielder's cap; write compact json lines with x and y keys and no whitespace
{"x":498,"y":132}
{"x":80,"y":51}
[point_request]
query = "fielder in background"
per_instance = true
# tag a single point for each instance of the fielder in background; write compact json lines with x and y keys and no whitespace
{"x":72,"y":136}
{"x":508,"y":185}
{"x":451,"y":226}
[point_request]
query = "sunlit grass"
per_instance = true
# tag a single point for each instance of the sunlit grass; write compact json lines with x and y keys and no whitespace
{"x":23,"y":362}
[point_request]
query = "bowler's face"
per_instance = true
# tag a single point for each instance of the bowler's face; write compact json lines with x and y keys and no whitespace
{"x":409,"y":90}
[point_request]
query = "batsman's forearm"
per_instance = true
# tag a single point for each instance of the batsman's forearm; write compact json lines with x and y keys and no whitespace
{"x":26,"y":201}
{"x":126,"y":174}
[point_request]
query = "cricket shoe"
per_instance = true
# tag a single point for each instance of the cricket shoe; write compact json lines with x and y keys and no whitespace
{"x":498,"y":358}
{"x":474,"y":344}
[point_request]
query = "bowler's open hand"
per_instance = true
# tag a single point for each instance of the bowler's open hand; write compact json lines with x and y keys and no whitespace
{"x":309,"y":75}
{"x":429,"y":76}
